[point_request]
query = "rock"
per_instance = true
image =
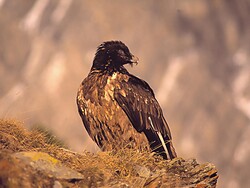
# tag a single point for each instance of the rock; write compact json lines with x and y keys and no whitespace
{"x":52,"y":167}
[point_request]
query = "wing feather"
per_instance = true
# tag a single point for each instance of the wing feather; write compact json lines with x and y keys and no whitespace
{"x":140,"y":105}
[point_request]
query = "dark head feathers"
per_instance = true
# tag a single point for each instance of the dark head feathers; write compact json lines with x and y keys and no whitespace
{"x":112,"y":55}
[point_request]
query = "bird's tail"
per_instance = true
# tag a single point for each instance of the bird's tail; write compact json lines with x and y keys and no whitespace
{"x":168,"y":147}
{"x":162,"y":145}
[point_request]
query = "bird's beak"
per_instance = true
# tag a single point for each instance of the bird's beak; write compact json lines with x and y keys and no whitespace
{"x":134,"y":60}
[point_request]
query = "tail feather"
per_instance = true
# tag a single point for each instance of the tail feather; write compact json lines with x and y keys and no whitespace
{"x":164,"y":146}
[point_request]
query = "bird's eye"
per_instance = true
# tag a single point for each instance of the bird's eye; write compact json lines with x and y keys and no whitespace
{"x":121,"y":53}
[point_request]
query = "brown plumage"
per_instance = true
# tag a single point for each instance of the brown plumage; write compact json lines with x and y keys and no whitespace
{"x":120,"y":110}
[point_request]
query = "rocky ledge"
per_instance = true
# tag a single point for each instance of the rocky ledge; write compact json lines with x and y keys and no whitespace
{"x":31,"y":159}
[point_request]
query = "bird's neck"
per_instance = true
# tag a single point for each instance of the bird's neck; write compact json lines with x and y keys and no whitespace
{"x":107,"y":69}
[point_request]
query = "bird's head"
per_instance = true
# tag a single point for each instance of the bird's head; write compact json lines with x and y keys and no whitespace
{"x":112,"y":55}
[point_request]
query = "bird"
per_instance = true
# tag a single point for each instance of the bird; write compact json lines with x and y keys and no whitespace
{"x":120,"y":110}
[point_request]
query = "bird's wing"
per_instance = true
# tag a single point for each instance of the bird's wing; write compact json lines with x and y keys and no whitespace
{"x":81,"y":109}
{"x":137,"y":99}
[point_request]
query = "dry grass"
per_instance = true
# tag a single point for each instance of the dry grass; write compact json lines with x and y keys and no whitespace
{"x":121,"y":163}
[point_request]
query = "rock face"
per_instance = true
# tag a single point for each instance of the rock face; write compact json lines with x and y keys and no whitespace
{"x":34,"y":163}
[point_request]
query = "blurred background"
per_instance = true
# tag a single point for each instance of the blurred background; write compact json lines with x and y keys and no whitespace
{"x":193,"y":53}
